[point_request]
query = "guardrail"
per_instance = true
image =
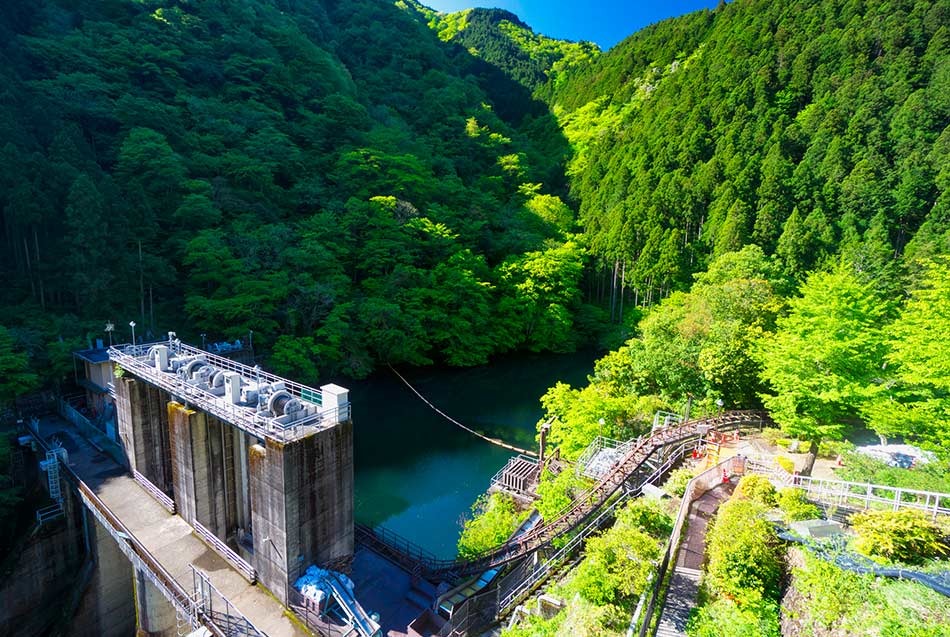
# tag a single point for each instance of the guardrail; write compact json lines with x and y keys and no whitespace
{"x":540,"y":573}
{"x":134,"y":359}
{"x":694,"y":488}
{"x":141,"y":559}
{"x":229,"y":618}
{"x":861,"y":495}
{"x":225,"y":551}
{"x":160,"y":496}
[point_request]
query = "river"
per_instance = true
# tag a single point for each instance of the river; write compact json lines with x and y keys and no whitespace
{"x":416,"y":473}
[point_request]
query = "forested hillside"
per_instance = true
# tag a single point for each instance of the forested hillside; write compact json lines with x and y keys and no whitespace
{"x":369,"y":182}
{"x":328,"y":174}
{"x":809,"y":128}
{"x":500,"y":38}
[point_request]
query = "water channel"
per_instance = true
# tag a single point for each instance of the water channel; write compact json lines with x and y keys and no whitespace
{"x":416,"y":473}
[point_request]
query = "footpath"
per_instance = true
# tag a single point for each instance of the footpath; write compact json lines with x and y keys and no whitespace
{"x":683,"y":592}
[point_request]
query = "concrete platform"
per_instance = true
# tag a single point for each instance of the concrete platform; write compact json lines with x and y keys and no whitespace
{"x":384,"y":588}
{"x":167,"y":537}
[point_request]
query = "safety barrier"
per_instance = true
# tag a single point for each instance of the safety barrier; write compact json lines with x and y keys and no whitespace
{"x":694,"y":489}
{"x":225,"y":551}
{"x":160,"y":496}
{"x":859,"y":495}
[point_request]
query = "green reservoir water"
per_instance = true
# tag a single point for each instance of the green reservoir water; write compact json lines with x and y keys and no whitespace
{"x":416,"y":473}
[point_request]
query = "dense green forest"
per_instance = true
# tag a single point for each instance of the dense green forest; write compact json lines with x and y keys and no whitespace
{"x":372,"y":182}
{"x":809,"y":128}
{"x":329,"y":175}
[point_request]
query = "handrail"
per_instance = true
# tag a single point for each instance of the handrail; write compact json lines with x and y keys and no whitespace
{"x":672,"y":546}
{"x":133,"y":358}
{"x":594,"y":498}
{"x":138,"y":554}
{"x":542,"y":571}
{"x":160,"y":496}
{"x":225,"y":551}
{"x":861,"y":493}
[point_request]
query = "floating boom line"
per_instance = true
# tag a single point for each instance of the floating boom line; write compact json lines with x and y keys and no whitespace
{"x":494,"y":441}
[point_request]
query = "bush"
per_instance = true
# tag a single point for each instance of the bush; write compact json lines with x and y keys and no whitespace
{"x":835,"y":601}
{"x":785,"y":463}
{"x":724,"y":617}
{"x":831,"y":449}
{"x":756,"y":488}
{"x":495,"y":519}
{"x":932,"y":476}
{"x":905,"y":535}
{"x":744,"y":551}
{"x":677,"y":480}
{"x":795,"y":507}
{"x":556,"y":493}
{"x":772,"y":435}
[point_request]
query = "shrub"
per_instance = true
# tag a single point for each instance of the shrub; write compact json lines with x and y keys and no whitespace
{"x":495,"y":519}
{"x":756,"y":488}
{"x":833,"y":448}
{"x":787,"y":464}
{"x":905,"y":535}
{"x":723,"y":617}
{"x":556,"y":493}
{"x":772,"y":435}
{"x":647,"y":515}
{"x":677,"y":480}
{"x":795,"y":507}
{"x":743,"y":550}
{"x":931,"y":476}
{"x":616,"y":564}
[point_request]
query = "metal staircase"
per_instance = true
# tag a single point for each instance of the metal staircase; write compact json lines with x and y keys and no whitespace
{"x":51,"y":466}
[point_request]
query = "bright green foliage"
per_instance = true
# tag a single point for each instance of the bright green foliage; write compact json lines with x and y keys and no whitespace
{"x":698,"y":343}
{"x":786,"y":463}
{"x":905,"y":535}
{"x":916,"y":400}
{"x":577,"y":413}
{"x":557,"y":493}
{"x":782,"y":124}
{"x":494,"y":520}
{"x":795,"y":507}
{"x":755,"y":488}
{"x":856,"y":605}
{"x":722,"y":617}
{"x":15,"y":375}
{"x":930,"y":476}
{"x":306,"y":171}
{"x":743,"y":552}
{"x":500,"y":38}
{"x":677,"y":480}
{"x":617,"y":563}
{"x":743,"y":569}
{"x":824,"y":356}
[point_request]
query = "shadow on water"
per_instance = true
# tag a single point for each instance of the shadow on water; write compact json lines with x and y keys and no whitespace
{"x":417,"y":473}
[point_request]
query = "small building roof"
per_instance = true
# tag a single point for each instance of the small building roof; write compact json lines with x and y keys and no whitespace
{"x":95,"y":356}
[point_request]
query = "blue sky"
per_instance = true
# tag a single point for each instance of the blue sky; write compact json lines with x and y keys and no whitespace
{"x":604,"y":22}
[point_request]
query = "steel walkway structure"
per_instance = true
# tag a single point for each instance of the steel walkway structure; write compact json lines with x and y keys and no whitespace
{"x":637,"y":462}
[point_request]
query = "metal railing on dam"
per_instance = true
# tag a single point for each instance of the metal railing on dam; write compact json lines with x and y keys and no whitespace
{"x":137,"y":360}
{"x":189,"y":606}
{"x":588,"y":503}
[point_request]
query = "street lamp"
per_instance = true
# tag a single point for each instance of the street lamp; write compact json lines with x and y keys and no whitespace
{"x":601,"y":421}
{"x":109,"y":327}
{"x":132,"y":325}
{"x":720,"y":403}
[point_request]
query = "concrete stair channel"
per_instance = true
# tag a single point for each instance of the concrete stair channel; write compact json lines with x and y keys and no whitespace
{"x":680,"y":600}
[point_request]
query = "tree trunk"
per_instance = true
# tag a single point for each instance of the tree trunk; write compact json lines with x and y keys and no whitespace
{"x":810,"y":458}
